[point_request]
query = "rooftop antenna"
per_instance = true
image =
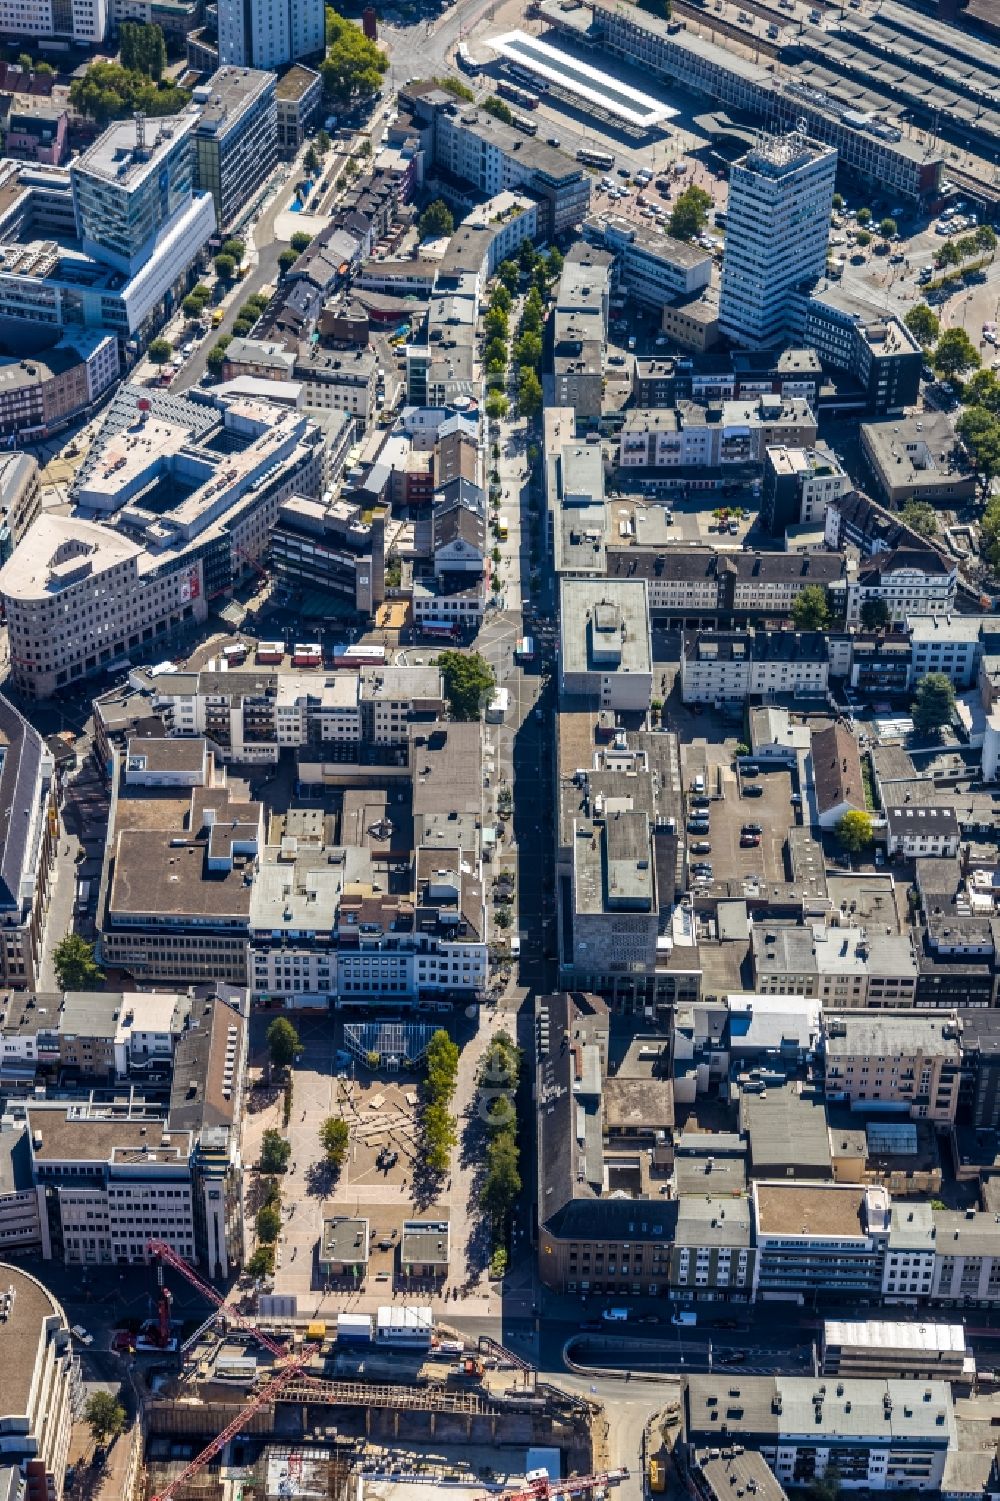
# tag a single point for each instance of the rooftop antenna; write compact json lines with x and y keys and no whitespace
{"x":140,"y":130}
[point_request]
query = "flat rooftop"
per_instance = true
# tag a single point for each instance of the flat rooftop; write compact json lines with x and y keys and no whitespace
{"x":875,"y":1334}
{"x":22,"y":1335}
{"x":810,"y":1209}
{"x":117,"y":157}
{"x":585,"y":82}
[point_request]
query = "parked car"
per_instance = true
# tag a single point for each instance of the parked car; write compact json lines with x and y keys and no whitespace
{"x":751,"y":828}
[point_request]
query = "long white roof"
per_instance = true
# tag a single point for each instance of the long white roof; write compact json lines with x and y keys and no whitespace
{"x":576,"y":77}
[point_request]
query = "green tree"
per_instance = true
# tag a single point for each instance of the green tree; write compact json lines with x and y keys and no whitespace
{"x":982,"y":389}
{"x":554,"y":263}
{"x":934,"y":704}
{"x":334,"y":1138}
{"x":283,"y":1042}
{"x":436,"y":220}
{"x":274,"y":1152}
{"x":455,"y":86}
{"x":236,"y":248}
{"x":825,"y":1487}
{"x":921,"y":517}
{"x":979,"y":430}
{"x":854,"y":830}
{"x":261,"y":1263}
{"x":216,"y":358}
{"x":143,"y":49}
{"x":966,"y":247}
{"x":242,"y":327}
{"x":501,"y":298}
{"x":888,"y":228}
{"x":986,"y":239}
{"x":441,"y":1060}
{"x":864,"y":217}
{"x":439,"y":1136}
{"x":990,"y":532}
{"x":492,"y":105}
{"x":74,"y":964}
{"x":192,"y":306}
{"x":508,"y":275}
{"x":502,"y":1181}
{"x":838,"y":202}
{"x":311,"y":162}
{"x":159,"y":351}
{"x":268,"y":1223}
{"x":354,"y":65}
{"x":496,"y":322}
{"x":690,"y":213}
{"x":923,"y":324}
{"x":529,"y":393}
{"x":45,"y":70}
{"x":955,"y":354}
{"x":875,"y":614}
{"x":468,"y":682}
{"x":527,"y":256}
{"x":497,"y":405}
{"x":528,"y":350}
{"x":811,"y":609}
{"x":287,"y":259}
{"x":107,"y":91}
{"x":104,"y":1416}
{"x":863,"y":238}
{"x":300,"y":241}
{"x":225,"y":267}
{"x":24,"y":61}
{"x":322,"y":142}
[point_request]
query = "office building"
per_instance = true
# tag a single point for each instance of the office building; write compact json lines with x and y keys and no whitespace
{"x":55,"y":386}
{"x":798,"y":485}
{"x":917,"y":458}
{"x":777,"y":228}
{"x":270,"y":33}
{"x":299,"y":98}
{"x":29,"y":831}
{"x":733,"y":666}
{"x":40,"y":1384}
{"x":337,"y":547}
{"x":84,"y":22}
{"x":717,"y":442}
{"x":23,"y":1224}
{"x":605,"y":647}
{"x":872,"y":1435}
{"x":35,"y":129}
{"x":20,"y":499}
{"x":652,"y":267}
{"x":235,"y":140}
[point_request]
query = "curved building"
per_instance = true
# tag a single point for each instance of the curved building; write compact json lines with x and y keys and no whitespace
{"x":38,"y":1385}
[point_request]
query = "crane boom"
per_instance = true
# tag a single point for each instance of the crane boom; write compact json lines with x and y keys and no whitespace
{"x":160,"y":1249}
{"x":231,"y":1429}
{"x":542,"y":1488}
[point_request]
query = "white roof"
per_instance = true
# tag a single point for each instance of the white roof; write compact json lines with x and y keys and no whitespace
{"x":579,"y":78}
{"x":415,"y":1317}
{"x":880,"y":1334}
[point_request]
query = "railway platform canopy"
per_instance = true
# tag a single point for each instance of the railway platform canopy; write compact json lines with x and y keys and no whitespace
{"x":559,"y":73}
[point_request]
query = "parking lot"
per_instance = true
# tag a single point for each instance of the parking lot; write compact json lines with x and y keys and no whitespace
{"x":731,"y":808}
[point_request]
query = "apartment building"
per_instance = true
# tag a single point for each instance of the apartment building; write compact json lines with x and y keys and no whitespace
{"x":29,"y":833}
{"x":911,"y":458}
{"x":922,"y":830}
{"x":235,"y":140}
{"x":905,"y":1061}
{"x":93,"y":1036}
{"x":697,"y":585}
{"x":777,"y":230}
{"x":20,"y":499}
{"x":579,"y":331}
{"x":605,"y":648}
{"x":706,"y":442}
{"x":176,"y":887}
{"x":654,"y":268}
{"x":821,"y":1240}
{"x":837,"y":779}
{"x":966,"y":1258}
{"x":712,"y":1256}
{"x":81,"y":593}
{"x":41,"y":395}
{"x":23,"y":1224}
{"x":733,"y":666}
{"x":871,"y":1435}
{"x":267,"y":34}
{"x":907,"y":581}
{"x":952,"y":644}
{"x":798,"y":485}
{"x":40,"y":1385}
{"x":909,"y":1254}
{"x":339,"y":378}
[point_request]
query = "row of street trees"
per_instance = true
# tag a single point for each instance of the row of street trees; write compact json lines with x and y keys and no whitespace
{"x":437,"y":1124}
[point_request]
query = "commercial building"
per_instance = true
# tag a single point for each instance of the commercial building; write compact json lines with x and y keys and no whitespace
{"x":341,"y":379}
{"x":712,"y":1257}
{"x":35,"y":129}
{"x":23,"y":1226}
{"x":235,"y":140}
{"x":84,"y":22}
{"x":872,"y":1347}
{"x":100,"y":1037}
{"x":718,"y":442}
{"x":734,"y":666}
{"x":909,"y":581}
{"x":299,"y":99}
{"x":873,"y":1435}
{"x":798,"y":485}
{"x":777,"y":228}
{"x":29,"y":834}
{"x":821,"y":1240}
{"x":40,"y":1384}
{"x":652,"y":268}
{"x":854,"y":335}
{"x":20,"y":499}
{"x":966,"y":1258}
{"x":903,"y":1062}
{"x":176,"y":887}
{"x":842,"y":966}
{"x":187,"y":494}
{"x":268,"y":34}
{"x":335,"y":546}
{"x":952,"y":644}
{"x":605,"y":648}
{"x":917,"y":458}
{"x":603,"y":1226}
{"x":579,"y":332}
{"x":48,"y":389}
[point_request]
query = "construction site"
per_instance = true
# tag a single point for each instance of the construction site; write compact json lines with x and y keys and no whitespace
{"x":241,"y":1410}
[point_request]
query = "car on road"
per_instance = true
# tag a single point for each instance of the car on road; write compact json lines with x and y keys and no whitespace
{"x":732,"y":1357}
{"x":725,"y":1323}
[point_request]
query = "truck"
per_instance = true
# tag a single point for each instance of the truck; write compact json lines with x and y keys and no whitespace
{"x":684,"y":1318}
{"x":657,"y":1475}
{"x":217,"y":316}
{"x":503,"y":528}
{"x":525,"y":649}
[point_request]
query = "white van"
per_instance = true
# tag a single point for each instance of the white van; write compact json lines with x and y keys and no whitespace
{"x":684,"y":1317}
{"x":615,"y":1315}
{"x":515,"y":946}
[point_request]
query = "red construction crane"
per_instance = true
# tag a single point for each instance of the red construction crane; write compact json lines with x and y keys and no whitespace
{"x":167,"y":1254}
{"x":541,"y":1488}
{"x":231,"y":1429}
